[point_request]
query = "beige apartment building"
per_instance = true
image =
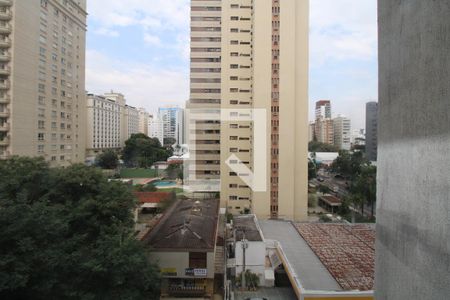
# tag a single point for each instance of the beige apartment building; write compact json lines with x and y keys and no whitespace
{"x":42,"y":80}
{"x":143,"y":121}
{"x":110,"y":122}
{"x":250,"y":59}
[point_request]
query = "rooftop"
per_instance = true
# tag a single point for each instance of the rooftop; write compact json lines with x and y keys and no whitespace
{"x":247,"y":224}
{"x":347,"y":251}
{"x":188,"y":224}
{"x":152,"y":197}
{"x":327,"y":257}
{"x":331,"y":200}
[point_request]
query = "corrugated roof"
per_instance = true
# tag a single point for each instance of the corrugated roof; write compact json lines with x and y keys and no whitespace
{"x":152,"y":197}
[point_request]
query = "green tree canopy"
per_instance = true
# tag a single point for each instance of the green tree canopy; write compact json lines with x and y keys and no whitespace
{"x":365,"y":185}
{"x":143,"y":151}
{"x":349,"y":164}
{"x":68,"y":234}
{"x":107,"y":160}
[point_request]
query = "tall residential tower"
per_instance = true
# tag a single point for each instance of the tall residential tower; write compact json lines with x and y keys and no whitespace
{"x":42,"y":80}
{"x":249,"y":85}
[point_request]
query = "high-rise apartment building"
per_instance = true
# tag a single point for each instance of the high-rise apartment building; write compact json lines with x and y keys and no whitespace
{"x":143,"y":121}
{"x":249,"y":57}
{"x":371,"y":130}
{"x":42,"y":80}
{"x":324,"y":131}
{"x":104,"y":122}
{"x":173,"y":123}
{"x":342,"y":132}
{"x":323,"y":109}
{"x":156,"y":128}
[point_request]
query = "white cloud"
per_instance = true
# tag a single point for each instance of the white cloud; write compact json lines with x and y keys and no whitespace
{"x":343,"y":30}
{"x":152,"y":40}
{"x":143,"y":85}
{"x":106,"y":32}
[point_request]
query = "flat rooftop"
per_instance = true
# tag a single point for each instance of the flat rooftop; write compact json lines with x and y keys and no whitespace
{"x":327,"y":257}
{"x":248,"y":225}
{"x":188,"y":224}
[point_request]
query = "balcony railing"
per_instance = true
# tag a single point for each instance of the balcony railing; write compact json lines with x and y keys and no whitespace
{"x":5,"y":43}
{"x":4,"y":84}
{"x":5,"y":99}
{"x":187,"y":291}
{"x":5,"y":57}
{"x":5,"y":2}
{"x":5,"y":15}
{"x":4,"y":127}
{"x":5,"y":28}
{"x":4,"y":113}
{"x":4,"y":141}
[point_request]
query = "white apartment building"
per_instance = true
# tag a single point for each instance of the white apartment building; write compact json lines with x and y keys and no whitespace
{"x":110,"y":122}
{"x":248,"y":55}
{"x":342,"y":132}
{"x":131,"y":121}
{"x":156,"y":128}
{"x":104,"y":123}
{"x":42,"y":80}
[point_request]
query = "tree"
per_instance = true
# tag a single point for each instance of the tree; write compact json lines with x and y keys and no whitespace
{"x":355,"y":200}
{"x":168,"y":142}
{"x":312,"y":170}
{"x":69,"y":234}
{"x":107,"y":160}
{"x":324,"y":189}
{"x":348,"y":164}
{"x":143,"y":151}
{"x":365,"y":185}
{"x":315,"y":146}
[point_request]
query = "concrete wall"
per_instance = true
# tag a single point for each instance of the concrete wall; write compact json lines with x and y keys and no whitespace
{"x":180,"y":262}
{"x":371,"y":130}
{"x":413,"y":229}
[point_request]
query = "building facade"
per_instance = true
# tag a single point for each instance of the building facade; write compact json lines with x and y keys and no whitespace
{"x":42,"y":80}
{"x":324,"y":131}
{"x":413,"y":228}
{"x":323,"y":109}
{"x":371,"y":130}
{"x":156,"y":129}
{"x":342,"y":128}
{"x":104,"y":123}
{"x":232,"y":41}
{"x":173,"y":123}
{"x":143,"y":121}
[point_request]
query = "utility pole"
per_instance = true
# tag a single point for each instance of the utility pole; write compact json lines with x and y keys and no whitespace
{"x":244,"y":247}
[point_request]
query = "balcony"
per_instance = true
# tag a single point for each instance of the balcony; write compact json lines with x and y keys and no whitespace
{"x":4,"y":141}
{"x":4,"y":84}
{"x":5,"y":99}
{"x":4,"y":127}
{"x":4,"y":113}
{"x":5,"y":57}
{"x":5,"y":43}
{"x":5,"y":15}
{"x":5,"y":2}
{"x":5,"y":29}
{"x":5,"y":71}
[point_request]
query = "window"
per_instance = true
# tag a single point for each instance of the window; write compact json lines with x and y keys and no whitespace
{"x":197,"y":260}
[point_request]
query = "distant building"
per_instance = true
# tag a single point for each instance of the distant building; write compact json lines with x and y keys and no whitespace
{"x":155,"y":128}
{"x":173,"y":123}
{"x":323,"y":109}
{"x":104,"y":123}
{"x":311,"y":129}
{"x":109,"y":123}
{"x":324,"y":131}
{"x":143,"y":121}
{"x":342,"y":132}
{"x":184,"y":244}
{"x":371,"y":130}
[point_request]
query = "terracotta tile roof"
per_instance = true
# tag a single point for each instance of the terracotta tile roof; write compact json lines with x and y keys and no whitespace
{"x":347,"y":251}
{"x":152,"y":197}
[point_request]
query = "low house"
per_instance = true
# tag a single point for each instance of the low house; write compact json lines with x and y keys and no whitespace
{"x":330,"y":203}
{"x":183,"y":244}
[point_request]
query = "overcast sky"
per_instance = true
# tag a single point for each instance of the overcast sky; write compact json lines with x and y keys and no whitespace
{"x":141,"y":48}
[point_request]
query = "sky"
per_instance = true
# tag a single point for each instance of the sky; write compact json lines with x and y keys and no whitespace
{"x":141,"y":49}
